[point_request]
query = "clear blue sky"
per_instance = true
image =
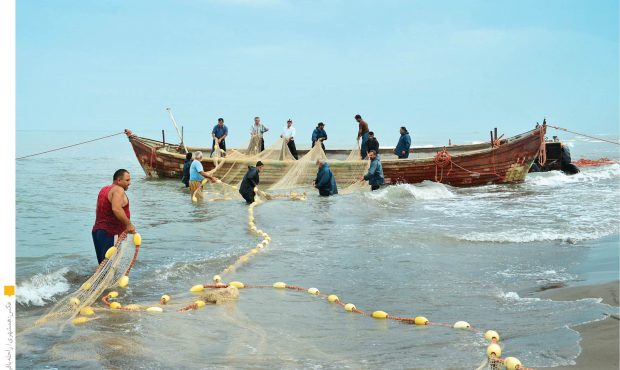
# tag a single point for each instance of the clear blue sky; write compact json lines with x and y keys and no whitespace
{"x":442,"y":68}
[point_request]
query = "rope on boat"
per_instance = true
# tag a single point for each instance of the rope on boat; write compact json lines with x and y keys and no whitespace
{"x":72,"y":145}
{"x":588,"y":136}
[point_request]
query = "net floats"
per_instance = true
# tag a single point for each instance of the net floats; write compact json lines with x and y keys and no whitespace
{"x":87,"y":311}
{"x":379,"y":315}
{"x":164,"y":299}
{"x":123,"y":281}
{"x":511,"y":363}
{"x":461,"y":325}
{"x":110,"y":252}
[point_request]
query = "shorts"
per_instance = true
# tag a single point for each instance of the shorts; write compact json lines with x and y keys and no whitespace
{"x":102,"y":241}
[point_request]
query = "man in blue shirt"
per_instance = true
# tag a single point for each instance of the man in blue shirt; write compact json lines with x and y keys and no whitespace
{"x":325,"y":180}
{"x":319,"y":134}
{"x":219,"y":133}
{"x":375,"y":172}
{"x":404,"y":143}
{"x":197,"y":174}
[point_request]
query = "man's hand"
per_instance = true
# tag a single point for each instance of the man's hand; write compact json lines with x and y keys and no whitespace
{"x":131,"y":229}
{"x":361,"y":178}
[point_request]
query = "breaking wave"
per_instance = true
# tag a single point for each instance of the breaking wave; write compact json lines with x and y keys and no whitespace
{"x":41,"y":289}
{"x":528,"y":235}
{"x":426,"y":190}
{"x":557,"y":178}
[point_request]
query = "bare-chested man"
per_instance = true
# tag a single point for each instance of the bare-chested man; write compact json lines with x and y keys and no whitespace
{"x":112,"y":215}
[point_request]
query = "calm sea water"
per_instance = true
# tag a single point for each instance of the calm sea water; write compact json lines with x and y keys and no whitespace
{"x":445,"y":253}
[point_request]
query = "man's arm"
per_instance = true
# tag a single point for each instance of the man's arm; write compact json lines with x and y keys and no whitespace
{"x":118,"y":196}
{"x":207,"y":175}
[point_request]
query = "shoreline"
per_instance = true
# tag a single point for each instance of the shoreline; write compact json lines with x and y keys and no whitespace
{"x":600,"y":339}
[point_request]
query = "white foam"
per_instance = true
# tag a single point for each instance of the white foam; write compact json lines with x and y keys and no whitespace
{"x":528,"y":235}
{"x":587,"y":175}
{"x":513,"y":296}
{"x":426,"y":190}
{"x":41,"y":288}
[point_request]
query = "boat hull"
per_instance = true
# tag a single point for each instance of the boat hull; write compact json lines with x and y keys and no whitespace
{"x":455,"y":165}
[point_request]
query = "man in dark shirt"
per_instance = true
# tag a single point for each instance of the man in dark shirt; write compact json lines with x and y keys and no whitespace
{"x":249,"y":182}
{"x":372,"y":143}
{"x":319,"y":134}
{"x":186,"y":165}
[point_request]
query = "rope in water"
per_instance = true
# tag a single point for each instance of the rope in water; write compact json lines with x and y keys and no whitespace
{"x":578,"y":133}
{"x":69,"y":146}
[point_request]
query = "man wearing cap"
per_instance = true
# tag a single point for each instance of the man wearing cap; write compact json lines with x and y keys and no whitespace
{"x":250,"y":181}
{"x":289,"y":137}
{"x":219,"y":133}
{"x":319,"y":134}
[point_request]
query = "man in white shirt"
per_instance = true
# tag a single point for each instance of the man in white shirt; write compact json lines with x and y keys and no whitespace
{"x":289,"y":137}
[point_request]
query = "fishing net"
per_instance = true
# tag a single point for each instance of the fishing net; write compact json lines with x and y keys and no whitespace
{"x":112,"y":271}
{"x":282,"y":172}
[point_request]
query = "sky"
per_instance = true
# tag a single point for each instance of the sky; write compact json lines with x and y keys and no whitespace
{"x":444,"y":69}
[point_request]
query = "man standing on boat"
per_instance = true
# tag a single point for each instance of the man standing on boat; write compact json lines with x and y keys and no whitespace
{"x":372,"y":143}
{"x":219,"y":133}
{"x":257,"y":131}
{"x":325,"y":180}
{"x":289,"y":137}
{"x":362,"y":133}
{"x":404,"y":143}
{"x":197,"y":174}
{"x":319,"y":134}
{"x":375,"y":172}
{"x":250,"y":181}
{"x":112,"y":213}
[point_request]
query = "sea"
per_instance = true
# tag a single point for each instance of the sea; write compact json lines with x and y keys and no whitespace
{"x":474,"y":254}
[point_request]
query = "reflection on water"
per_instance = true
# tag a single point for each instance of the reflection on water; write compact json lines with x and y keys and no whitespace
{"x":428,"y":249}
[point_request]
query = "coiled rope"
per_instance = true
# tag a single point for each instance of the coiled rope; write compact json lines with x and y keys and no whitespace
{"x":72,"y":145}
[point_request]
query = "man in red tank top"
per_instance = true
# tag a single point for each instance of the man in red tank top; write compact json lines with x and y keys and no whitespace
{"x":112,"y":215}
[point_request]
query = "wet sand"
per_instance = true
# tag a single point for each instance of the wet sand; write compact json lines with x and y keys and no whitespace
{"x":599,"y":340}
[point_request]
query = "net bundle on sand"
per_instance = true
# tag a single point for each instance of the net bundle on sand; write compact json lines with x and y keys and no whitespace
{"x":113,"y":271}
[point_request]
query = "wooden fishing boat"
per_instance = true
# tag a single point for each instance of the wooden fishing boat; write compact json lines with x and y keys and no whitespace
{"x":502,"y":161}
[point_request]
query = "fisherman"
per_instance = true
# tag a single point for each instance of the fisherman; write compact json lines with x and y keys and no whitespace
{"x":289,"y":137}
{"x":257,"y":131}
{"x":372,"y":143}
{"x":325,"y":180}
{"x":319,"y":134}
{"x":375,"y":172}
{"x":219,"y":133}
{"x":362,"y":133}
{"x":112,"y":213}
{"x":404,"y":143}
{"x":186,"y":164}
{"x":250,"y":181}
{"x":197,"y":174}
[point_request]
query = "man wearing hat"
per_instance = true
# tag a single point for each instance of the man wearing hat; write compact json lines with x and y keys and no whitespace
{"x":250,"y":181}
{"x":319,"y":134}
{"x":289,"y":137}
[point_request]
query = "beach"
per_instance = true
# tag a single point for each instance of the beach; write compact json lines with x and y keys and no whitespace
{"x":448,"y":254}
{"x":599,"y":339}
